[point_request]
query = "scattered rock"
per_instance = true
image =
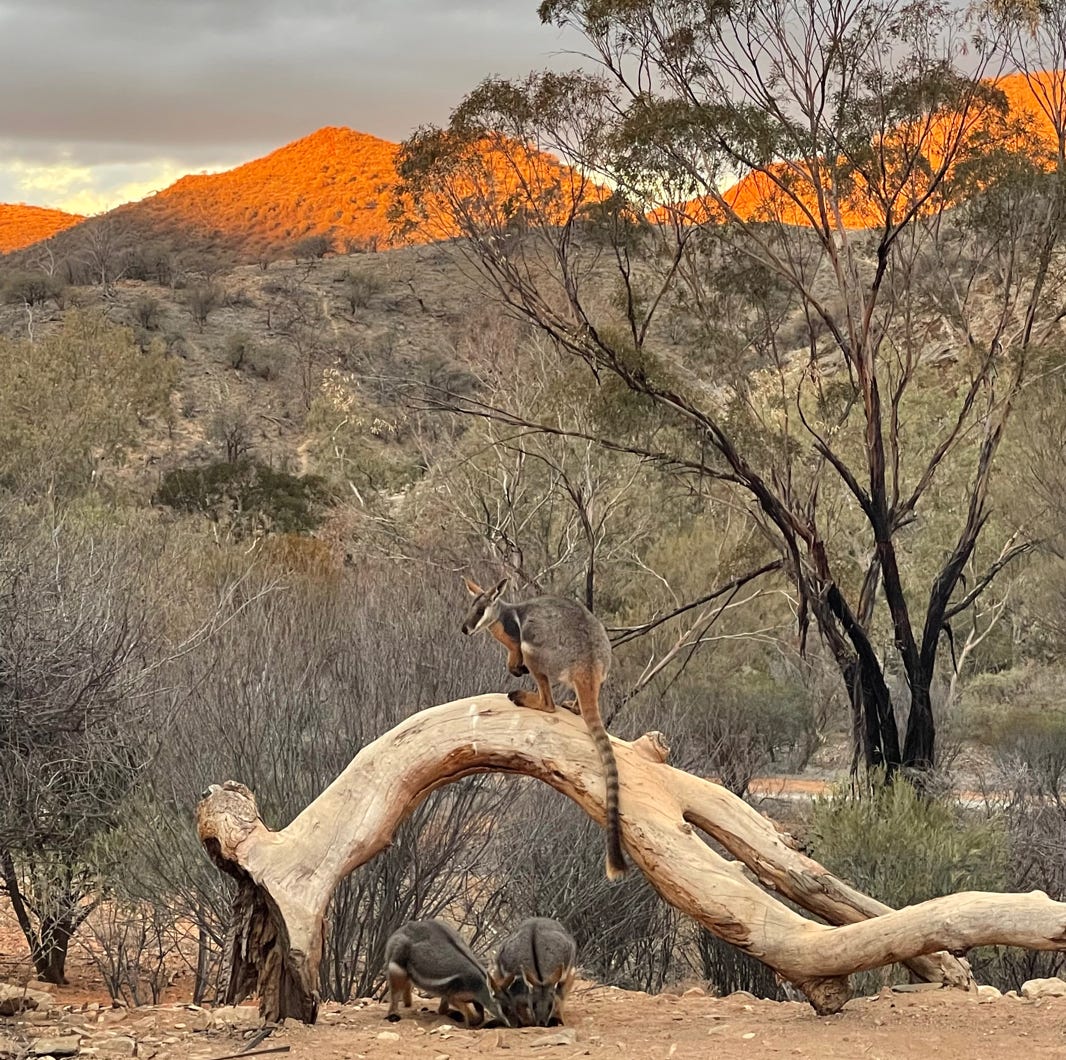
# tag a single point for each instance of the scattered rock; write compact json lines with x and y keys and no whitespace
{"x":741,"y":995}
{"x":1035,"y":988}
{"x":117,"y":1046}
{"x":40,"y":984}
{"x":567,"y":1036}
{"x":40,"y":1017}
{"x":695,"y":991}
{"x":234,"y":1016}
{"x":916,"y":988}
{"x":986,"y":992}
{"x":388,"y":1036}
{"x":16,"y":999}
{"x":65,"y":1046}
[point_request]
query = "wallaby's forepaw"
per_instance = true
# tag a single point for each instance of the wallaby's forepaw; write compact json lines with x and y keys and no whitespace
{"x":519,"y":670}
{"x":571,"y":705}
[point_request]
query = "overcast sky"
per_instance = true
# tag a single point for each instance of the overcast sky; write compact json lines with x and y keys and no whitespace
{"x":105,"y":101}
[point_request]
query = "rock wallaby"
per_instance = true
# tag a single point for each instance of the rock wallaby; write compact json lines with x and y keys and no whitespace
{"x":435,"y":958}
{"x":556,"y":640}
{"x":534,"y":973}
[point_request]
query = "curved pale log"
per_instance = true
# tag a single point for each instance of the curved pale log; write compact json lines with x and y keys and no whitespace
{"x":287,"y":877}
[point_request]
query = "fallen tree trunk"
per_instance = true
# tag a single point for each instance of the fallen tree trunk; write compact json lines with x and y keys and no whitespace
{"x":286,"y":878}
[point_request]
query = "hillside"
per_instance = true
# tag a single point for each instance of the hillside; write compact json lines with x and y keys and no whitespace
{"x":22,"y":225}
{"x":756,"y":196}
{"x":333,"y":181}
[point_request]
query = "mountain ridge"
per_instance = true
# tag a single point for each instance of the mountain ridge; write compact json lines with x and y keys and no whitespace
{"x":333,"y":182}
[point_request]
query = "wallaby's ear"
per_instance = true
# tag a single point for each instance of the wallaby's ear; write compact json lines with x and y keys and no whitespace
{"x":472,"y":587}
{"x":500,"y":981}
{"x":500,"y":586}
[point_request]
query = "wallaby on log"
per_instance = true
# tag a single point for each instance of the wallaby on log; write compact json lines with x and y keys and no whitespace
{"x":556,"y":640}
{"x":534,"y":973}
{"x":435,"y":958}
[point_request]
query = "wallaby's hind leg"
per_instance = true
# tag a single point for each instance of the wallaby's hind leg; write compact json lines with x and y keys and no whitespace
{"x":399,"y":987}
{"x":562,"y":991}
{"x":539,"y":700}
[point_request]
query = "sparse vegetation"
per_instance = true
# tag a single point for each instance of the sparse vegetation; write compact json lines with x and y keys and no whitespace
{"x":709,"y":487}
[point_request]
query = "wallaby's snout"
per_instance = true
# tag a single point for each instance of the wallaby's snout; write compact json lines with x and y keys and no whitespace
{"x":535,"y":972}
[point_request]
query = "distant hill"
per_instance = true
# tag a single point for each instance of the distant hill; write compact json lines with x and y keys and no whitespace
{"x":334,"y":180}
{"x":755,"y":196}
{"x":21,"y":225}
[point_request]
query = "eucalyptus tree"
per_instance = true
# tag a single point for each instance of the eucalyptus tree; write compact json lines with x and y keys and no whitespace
{"x":834,"y":252}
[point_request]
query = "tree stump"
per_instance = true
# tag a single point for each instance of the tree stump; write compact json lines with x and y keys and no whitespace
{"x":286,"y":877}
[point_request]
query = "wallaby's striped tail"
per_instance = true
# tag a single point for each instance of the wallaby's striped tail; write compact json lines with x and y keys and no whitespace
{"x":588,"y":702}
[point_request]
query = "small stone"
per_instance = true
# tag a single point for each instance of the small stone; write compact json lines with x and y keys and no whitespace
{"x":567,"y":1036}
{"x":40,"y":984}
{"x":234,"y":1016}
{"x":1035,"y":988}
{"x":748,"y":1037}
{"x":741,"y":995}
{"x":695,"y":991}
{"x":117,"y":1046}
{"x":987,"y":992}
{"x":915,"y":988}
{"x":65,"y":1046}
{"x":388,"y":1036}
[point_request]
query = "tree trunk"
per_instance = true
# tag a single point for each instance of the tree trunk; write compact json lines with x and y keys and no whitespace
{"x":286,"y":878}
{"x":919,"y":747}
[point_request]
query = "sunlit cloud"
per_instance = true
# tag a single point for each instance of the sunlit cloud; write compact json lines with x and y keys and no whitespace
{"x":91,"y":189}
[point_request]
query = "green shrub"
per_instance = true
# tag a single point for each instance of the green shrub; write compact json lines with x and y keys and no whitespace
{"x":239,"y":349}
{"x":147,"y":311}
{"x":360,"y":288}
{"x":903,"y":848}
{"x":313,"y":247}
{"x":246,"y":497}
{"x":31,"y":288}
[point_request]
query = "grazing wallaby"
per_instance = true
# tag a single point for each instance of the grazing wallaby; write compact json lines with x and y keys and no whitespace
{"x":435,"y":958}
{"x":534,"y":972}
{"x":556,"y":640}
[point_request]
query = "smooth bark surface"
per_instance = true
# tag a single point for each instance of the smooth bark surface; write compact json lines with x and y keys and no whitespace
{"x":286,"y":878}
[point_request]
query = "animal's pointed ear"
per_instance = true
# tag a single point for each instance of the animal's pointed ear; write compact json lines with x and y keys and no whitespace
{"x":500,"y":586}
{"x":472,"y":587}
{"x":500,"y":981}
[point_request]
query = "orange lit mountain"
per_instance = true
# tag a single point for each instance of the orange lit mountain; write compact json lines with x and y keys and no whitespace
{"x":333,"y":180}
{"x":756,"y":196}
{"x":21,"y":225}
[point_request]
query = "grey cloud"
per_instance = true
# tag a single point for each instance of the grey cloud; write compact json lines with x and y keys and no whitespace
{"x":118,"y":79}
